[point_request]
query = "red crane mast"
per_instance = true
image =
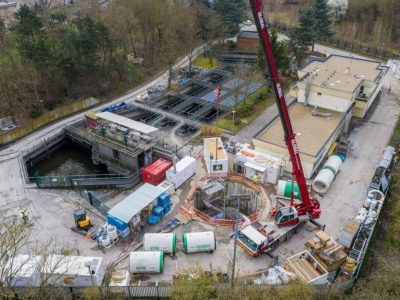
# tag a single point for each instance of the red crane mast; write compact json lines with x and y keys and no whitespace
{"x":308,"y":204}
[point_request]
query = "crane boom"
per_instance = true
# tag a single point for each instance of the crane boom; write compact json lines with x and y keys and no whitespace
{"x":308,"y":205}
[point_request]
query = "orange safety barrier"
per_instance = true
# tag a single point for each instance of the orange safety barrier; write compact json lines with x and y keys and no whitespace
{"x":185,"y":212}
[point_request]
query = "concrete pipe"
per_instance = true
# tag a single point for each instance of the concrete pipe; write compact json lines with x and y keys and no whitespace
{"x":334,"y":162}
{"x":376,"y":194}
{"x":325,"y":177}
{"x":323,"y":181}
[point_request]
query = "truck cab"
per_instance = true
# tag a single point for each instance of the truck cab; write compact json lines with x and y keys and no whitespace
{"x":252,"y":241}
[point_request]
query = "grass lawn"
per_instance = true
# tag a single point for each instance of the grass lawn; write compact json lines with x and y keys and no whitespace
{"x":204,"y":62}
{"x":247,"y":110}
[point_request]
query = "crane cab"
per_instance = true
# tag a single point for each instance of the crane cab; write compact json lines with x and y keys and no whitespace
{"x":286,"y":216}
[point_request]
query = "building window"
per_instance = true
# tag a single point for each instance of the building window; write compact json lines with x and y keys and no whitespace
{"x":319,"y":94}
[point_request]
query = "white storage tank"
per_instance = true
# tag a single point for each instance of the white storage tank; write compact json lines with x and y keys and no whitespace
{"x":74,"y":271}
{"x":199,"y":242}
{"x":185,"y":168}
{"x":165,"y":242}
{"x":23,"y":270}
{"x":146,"y":262}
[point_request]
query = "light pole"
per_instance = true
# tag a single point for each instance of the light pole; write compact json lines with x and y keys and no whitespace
{"x":235,"y":242}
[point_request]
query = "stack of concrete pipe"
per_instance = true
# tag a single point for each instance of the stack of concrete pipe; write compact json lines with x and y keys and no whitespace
{"x":328,"y":172}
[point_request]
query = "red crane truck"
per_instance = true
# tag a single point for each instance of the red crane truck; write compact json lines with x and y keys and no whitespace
{"x":261,"y":238}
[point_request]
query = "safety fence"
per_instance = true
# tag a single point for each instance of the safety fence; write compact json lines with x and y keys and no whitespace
{"x":47,"y":118}
{"x":363,"y":49}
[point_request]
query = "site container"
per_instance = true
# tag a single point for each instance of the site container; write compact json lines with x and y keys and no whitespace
{"x":185,"y":168}
{"x":74,"y":270}
{"x":155,"y":173}
{"x":165,"y":242}
{"x":215,"y":157}
{"x":146,"y":262}
{"x":23,"y":270}
{"x":199,"y":242}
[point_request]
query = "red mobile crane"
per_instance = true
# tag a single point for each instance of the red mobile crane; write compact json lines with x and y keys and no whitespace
{"x":258,"y":240}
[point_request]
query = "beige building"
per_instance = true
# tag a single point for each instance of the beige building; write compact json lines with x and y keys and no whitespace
{"x":341,"y":84}
{"x":315,"y":134}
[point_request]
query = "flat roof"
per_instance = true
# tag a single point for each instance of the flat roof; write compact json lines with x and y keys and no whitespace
{"x":342,"y":72}
{"x":215,"y":147}
{"x":71,"y":265}
{"x":135,"y":202}
{"x":312,"y":131}
{"x":252,"y":233}
{"x":249,"y":34}
{"x":125,"y":122}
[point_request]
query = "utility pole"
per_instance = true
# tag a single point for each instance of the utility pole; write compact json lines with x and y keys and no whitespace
{"x":235,"y":242}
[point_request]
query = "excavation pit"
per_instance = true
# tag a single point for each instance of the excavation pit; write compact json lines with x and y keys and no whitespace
{"x":215,"y":200}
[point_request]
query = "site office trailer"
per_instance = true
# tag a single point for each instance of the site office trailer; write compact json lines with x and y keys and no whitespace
{"x":215,"y":157}
{"x":185,"y":168}
{"x":155,"y":172}
{"x":73,"y":271}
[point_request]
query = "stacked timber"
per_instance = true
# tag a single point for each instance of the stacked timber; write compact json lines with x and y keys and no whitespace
{"x":329,"y":253}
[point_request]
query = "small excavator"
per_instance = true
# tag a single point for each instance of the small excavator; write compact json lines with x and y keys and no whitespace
{"x":82,"y":222}
{"x":256,"y":239}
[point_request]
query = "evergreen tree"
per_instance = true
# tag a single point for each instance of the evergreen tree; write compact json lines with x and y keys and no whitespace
{"x":231,"y":13}
{"x":322,"y":19}
{"x":280,"y":49}
{"x":305,"y":34}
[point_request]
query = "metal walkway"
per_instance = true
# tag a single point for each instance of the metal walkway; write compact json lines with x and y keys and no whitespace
{"x":168,"y":114}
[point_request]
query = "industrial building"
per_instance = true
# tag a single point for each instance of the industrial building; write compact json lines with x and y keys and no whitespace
{"x":341,"y":84}
{"x":315,"y":135}
{"x":247,"y":40}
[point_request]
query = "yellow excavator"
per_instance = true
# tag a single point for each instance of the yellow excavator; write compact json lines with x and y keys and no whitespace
{"x":82,"y":222}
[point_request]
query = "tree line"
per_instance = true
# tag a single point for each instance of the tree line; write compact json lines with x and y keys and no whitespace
{"x":52,"y":56}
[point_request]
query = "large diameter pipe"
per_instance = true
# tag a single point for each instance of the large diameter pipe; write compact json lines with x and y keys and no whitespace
{"x":284,"y":189}
{"x":325,"y":177}
{"x":323,"y":181}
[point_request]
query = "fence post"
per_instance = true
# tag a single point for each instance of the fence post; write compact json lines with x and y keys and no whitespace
{"x":90,"y":198}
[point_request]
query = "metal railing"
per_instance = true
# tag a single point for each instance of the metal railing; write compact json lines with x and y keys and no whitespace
{"x":81,"y":181}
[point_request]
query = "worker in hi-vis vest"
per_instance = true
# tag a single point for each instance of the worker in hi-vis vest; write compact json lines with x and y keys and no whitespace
{"x":24,"y":215}
{"x":255,"y":178}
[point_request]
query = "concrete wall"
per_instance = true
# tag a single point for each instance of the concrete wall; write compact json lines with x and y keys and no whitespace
{"x":325,"y":98}
{"x":362,"y":106}
{"x":124,"y":159}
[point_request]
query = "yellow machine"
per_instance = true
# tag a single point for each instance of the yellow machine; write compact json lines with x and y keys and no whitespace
{"x":82,"y":222}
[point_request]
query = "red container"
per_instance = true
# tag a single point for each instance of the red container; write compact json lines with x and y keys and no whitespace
{"x":155,"y":173}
